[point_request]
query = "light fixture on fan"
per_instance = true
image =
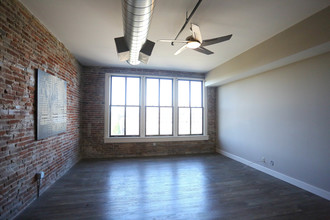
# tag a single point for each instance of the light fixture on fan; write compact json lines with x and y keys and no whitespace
{"x":193,"y":44}
{"x":196,"y":42}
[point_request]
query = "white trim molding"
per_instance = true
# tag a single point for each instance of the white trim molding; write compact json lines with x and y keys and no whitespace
{"x":155,"y":139}
{"x":142,"y":136}
{"x":303,"y":185}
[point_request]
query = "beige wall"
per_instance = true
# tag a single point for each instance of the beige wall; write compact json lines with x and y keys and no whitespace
{"x":282,"y":115}
{"x":306,"y":39}
{"x":273,"y":102}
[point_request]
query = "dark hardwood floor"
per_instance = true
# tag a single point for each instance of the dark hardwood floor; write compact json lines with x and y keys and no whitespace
{"x":180,"y":187}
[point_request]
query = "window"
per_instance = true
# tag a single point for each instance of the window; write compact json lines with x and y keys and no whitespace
{"x":190,"y":104}
{"x":159,"y":106}
{"x":150,"y":109}
{"x":125,"y":106}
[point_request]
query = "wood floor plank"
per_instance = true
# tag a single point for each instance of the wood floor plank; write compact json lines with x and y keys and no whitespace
{"x":182,"y":187}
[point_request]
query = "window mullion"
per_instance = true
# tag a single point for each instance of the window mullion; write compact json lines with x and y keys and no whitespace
{"x":125,"y":106}
{"x":108,"y":95}
{"x":204,"y":105}
{"x":143,"y":107}
{"x":158,"y":106}
{"x":175,"y":107}
{"x":190,"y":105}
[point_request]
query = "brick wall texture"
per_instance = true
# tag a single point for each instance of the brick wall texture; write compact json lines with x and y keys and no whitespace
{"x":92,"y":126}
{"x":26,"y":45}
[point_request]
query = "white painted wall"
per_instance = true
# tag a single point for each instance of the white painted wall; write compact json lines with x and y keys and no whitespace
{"x":284,"y":116}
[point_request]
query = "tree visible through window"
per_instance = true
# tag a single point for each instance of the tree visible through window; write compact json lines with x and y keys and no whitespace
{"x":159,"y":107}
{"x":151,"y":106}
{"x":190,"y":106}
{"x":125,"y":106}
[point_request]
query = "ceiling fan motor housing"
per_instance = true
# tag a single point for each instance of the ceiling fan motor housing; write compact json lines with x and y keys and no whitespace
{"x":191,"y":38}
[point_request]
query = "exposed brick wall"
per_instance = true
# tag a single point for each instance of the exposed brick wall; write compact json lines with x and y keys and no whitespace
{"x":26,"y":45}
{"x":92,"y":142}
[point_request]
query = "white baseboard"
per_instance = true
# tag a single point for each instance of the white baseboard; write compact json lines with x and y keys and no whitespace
{"x":310,"y":188}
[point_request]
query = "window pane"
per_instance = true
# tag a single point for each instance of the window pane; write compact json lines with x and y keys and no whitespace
{"x":118,"y":90}
{"x":152,"y":122}
{"x":183,"y":93}
{"x":196,"y":94}
{"x":152,"y":92}
{"x":184,"y":121}
{"x":165,"y":121}
{"x":133,"y":91}
{"x":132,"y":121}
{"x":196,"y":121}
{"x":165,"y":92}
{"x":117,"y":120}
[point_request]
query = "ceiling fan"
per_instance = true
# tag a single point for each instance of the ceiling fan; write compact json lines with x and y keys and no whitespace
{"x":196,"y":42}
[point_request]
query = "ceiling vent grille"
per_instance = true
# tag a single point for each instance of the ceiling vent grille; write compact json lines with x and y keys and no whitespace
{"x":134,"y":46}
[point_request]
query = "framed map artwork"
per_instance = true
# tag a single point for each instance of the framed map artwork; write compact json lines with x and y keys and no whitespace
{"x":51,"y":105}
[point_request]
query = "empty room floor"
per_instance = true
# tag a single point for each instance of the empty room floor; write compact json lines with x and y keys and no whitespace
{"x":207,"y":186}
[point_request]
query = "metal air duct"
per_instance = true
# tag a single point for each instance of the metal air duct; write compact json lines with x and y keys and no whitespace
{"x":134,"y":46}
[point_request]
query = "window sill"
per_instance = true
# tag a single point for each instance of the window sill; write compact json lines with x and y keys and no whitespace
{"x":155,"y":139}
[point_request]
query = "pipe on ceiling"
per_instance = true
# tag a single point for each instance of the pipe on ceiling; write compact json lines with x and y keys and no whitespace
{"x":136,"y":19}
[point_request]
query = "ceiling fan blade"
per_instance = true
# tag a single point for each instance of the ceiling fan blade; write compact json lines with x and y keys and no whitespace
{"x":196,"y":32}
{"x":203,"y":50}
{"x":181,"y":49}
{"x":216,"y":40}
{"x":174,"y":41}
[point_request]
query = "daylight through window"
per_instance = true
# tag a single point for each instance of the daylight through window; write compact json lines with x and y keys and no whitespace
{"x":154,"y":107}
{"x":125,"y":106}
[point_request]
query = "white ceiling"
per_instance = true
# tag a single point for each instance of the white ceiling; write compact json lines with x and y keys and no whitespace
{"x":88,"y":28}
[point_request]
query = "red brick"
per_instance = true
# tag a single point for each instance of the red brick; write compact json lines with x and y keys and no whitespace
{"x":7,"y":116}
{"x":9,"y":82}
{"x":92,"y":143}
{"x":17,"y":128}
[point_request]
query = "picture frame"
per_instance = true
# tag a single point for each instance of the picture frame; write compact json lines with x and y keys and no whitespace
{"x":51,"y":105}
